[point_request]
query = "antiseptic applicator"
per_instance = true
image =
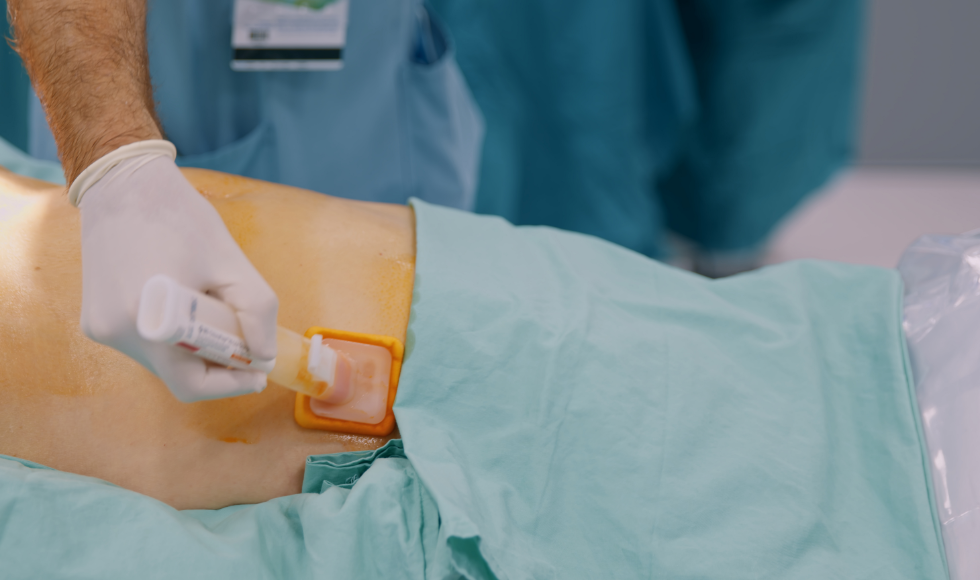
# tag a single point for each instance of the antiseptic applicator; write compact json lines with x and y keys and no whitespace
{"x":345,"y":381}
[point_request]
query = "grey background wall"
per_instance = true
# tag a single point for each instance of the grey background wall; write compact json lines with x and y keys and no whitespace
{"x":921,"y":102}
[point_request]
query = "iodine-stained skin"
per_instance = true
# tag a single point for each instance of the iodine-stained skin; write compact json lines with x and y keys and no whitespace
{"x":74,"y":405}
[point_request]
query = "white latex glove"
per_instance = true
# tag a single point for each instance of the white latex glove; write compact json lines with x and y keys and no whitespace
{"x":140,"y":217}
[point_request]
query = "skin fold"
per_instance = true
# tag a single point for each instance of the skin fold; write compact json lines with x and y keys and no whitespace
{"x":74,"y":405}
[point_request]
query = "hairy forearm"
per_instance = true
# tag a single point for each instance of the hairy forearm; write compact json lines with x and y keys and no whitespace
{"x":88,"y":62}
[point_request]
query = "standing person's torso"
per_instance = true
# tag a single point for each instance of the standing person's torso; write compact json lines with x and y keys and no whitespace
{"x":395,"y":122}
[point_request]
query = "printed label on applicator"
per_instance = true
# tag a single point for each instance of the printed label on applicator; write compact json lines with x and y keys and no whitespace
{"x":195,"y":322}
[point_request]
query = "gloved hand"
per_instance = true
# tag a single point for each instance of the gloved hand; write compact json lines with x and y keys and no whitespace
{"x":140,"y":217}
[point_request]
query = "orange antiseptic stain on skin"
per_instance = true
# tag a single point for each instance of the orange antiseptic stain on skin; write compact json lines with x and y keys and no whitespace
{"x":391,"y":288}
{"x":239,"y":218}
{"x":74,"y":405}
{"x":214,"y":185}
{"x":37,"y":342}
{"x":238,"y":419}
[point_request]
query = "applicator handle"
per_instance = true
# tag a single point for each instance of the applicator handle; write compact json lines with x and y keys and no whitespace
{"x":172,"y":313}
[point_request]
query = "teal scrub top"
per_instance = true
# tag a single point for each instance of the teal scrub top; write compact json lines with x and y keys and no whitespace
{"x":14,"y":93}
{"x":631,"y":118}
{"x":622,"y":120}
{"x":397,"y":121}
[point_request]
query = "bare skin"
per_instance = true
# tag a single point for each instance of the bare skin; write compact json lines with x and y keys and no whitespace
{"x":88,"y":62}
{"x":72,"y":404}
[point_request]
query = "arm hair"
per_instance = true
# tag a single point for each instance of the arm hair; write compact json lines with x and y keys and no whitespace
{"x":88,"y":62}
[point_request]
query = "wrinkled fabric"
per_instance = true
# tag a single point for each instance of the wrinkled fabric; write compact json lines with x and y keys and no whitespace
{"x":59,"y":525}
{"x":625,"y":119}
{"x":570,"y":409}
{"x":580,"y":411}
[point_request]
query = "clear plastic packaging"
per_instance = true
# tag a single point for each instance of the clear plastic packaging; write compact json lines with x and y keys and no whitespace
{"x":942,"y":327}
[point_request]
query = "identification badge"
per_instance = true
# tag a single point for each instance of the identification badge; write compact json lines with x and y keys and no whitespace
{"x":289,"y":35}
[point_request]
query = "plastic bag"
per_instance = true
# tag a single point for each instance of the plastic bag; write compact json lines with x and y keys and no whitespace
{"x":942,"y":327}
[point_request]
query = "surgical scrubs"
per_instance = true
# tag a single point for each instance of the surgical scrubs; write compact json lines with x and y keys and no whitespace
{"x":14,"y":93}
{"x":627,"y":119}
{"x":570,"y":409}
{"x":397,"y":121}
